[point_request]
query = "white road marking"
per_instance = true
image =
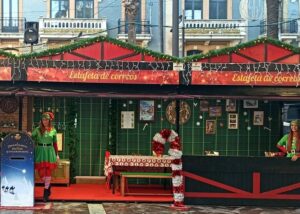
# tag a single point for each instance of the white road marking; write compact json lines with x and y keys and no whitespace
{"x":96,"y":209}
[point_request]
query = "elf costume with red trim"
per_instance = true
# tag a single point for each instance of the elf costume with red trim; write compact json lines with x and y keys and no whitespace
{"x":46,"y":152}
{"x":290,"y":143}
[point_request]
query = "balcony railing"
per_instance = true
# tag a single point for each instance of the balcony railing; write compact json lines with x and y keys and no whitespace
{"x":12,"y":25}
{"x":142,"y":27}
{"x":288,"y":26}
{"x":215,"y":27}
{"x":69,"y":26}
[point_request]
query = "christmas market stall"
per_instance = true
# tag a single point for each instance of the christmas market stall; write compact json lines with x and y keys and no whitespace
{"x":103,"y":92}
{"x":248,"y":95}
{"x":232,"y":107}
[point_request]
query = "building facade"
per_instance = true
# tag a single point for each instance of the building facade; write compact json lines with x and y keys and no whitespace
{"x":12,"y":24}
{"x":204,"y":25}
{"x":207,"y":25}
{"x":69,"y":20}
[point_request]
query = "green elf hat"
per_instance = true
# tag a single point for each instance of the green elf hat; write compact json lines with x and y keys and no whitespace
{"x":48,"y":115}
{"x":295,"y":122}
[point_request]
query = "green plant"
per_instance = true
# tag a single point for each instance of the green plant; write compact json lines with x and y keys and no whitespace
{"x":71,"y":133}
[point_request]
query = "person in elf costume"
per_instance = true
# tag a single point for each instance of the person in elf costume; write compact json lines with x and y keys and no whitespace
{"x":46,"y":151}
{"x":290,"y":143}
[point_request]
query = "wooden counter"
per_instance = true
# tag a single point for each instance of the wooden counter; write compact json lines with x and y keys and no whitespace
{"x":261,"y":181}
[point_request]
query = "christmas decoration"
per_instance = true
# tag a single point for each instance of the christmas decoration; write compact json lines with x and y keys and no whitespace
{"x":158,"y":142}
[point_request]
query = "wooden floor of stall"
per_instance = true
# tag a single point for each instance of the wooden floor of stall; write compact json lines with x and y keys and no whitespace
{"x":101,"y":192}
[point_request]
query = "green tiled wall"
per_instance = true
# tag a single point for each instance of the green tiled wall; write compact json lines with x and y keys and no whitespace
{"x":92,"y":129}
{"x":229,"y":142}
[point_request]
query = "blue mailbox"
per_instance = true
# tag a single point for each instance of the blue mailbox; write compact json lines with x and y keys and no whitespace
{"x":17,"y":170}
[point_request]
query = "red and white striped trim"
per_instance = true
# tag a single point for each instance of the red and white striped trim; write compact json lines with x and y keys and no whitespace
{"x":158,"y":142}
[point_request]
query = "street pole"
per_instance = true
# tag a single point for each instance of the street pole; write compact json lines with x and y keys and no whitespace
{"x":183,"y":33}
{"x":175,"y":33}
{"x":175,"y":51}
{"x":161,"y":25}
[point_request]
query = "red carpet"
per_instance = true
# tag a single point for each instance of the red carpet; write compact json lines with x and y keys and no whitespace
{"x":100,"y":192}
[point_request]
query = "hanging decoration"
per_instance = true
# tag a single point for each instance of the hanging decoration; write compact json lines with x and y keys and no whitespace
{"x":185,"y":112}
{"x":158,"y":142}
{"x":9,"y":104}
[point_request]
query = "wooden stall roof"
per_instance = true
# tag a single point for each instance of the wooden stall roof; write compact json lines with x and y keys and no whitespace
{"x":259,"y":50}
{"x":171,"y":82}
{"x":102,"y":48}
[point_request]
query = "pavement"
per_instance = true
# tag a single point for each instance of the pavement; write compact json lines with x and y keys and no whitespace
{"x":140,"y":208}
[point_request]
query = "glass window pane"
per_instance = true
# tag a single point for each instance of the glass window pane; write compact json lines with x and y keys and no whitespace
{"x":54,"y":8}
{"x":193,"y":9}
{"x":84,"y":9}
{"x":10,"y":8}
{"x":10,"y":14}
{"x":14,"y":8}
{"x":188,"y":4}
{"x":59,"y":8}
{"x":188,"y":14}
{"x":198,"y":5}
{"x":5,"y":9}
{"x":218,"y":9}
{"x":197,"y":14}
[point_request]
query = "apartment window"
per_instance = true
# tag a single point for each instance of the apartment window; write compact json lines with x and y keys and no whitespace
{"x":10,"y":8}
{"x":193,"y":52}
{"x":218,"y":9}
{"x":59,"y":8}
{"x":10,"y":16}
{"x":84,"y":9}
{"x":193,"y":9}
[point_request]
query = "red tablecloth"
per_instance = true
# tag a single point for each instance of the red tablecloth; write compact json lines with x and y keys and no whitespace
{"x":135,"y":161}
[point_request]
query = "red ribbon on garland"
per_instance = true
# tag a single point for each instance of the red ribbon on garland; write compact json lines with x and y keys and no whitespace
{"x":158,"y":148}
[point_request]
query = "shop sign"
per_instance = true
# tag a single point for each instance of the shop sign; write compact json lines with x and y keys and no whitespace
{"x":165,"y":77}
{"x":245,"y":78}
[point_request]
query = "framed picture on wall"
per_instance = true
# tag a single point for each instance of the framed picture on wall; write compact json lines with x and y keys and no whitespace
{"x":210,"y":127}
{"x":230,"y":105}
{"x":127,"y":119}
{"x":258,"y":118}
{"x":59,"y":137}
{"x":204,"y":105}
{"x":233,"y":121}
{"x":146,"y":110}
{"x":215,"y":111}
{"x":250,"y":103}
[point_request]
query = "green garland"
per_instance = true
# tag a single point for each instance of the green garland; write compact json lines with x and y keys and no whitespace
{"x":156,"y":55}
{"x":237,"y":48}
{"x":6,"y":54}
{"x":90,"y":41}
{"x":72,"y":137}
